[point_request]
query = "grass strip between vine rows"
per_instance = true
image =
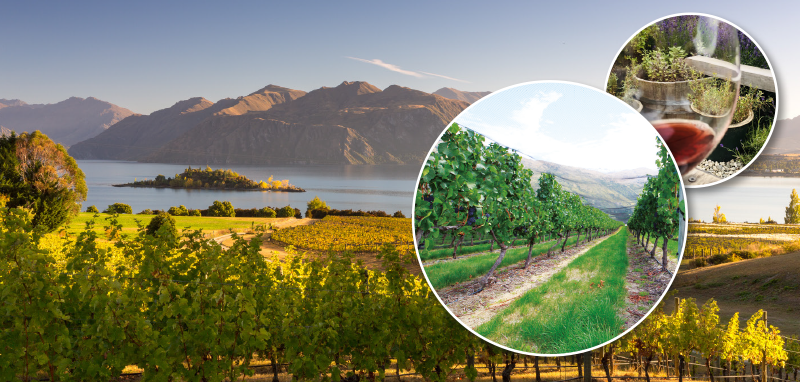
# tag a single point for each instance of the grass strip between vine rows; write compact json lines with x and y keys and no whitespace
{"x":569,"y":312}
{"x":451,"y":272}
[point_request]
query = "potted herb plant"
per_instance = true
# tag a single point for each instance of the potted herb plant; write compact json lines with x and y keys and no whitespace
{"x":663,"y":79}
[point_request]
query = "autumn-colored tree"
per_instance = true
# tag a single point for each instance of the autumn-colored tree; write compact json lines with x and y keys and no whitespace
{"x":793,"y":210}
{"x":315,"y":204}
{"x":718,"y":217}
{"x":38,"y":174}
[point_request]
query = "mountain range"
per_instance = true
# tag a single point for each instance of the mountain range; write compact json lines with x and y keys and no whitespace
{"x":614,"y":193}
{"x":469,"y":97}
{"x":66,"y":122}
{"x":785,"y":138}
{"x":353,"y":123}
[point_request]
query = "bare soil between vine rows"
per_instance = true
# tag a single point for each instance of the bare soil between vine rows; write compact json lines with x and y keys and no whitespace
{"x":645,"y":282}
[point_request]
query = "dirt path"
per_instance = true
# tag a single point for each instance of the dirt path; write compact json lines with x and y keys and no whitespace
{"x":267,"y":247}
{"x":645,"y":282}
{"x":511,"y":283}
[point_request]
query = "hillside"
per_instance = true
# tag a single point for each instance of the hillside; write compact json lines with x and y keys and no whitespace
{"x":137,"y":136}
{"x":66,"y":122}
{"x":615,"y":193}
{"x":785,"y":138}
{"x":468,"y":97}
{"x":769,"y":283}
{"x":353,"y":123}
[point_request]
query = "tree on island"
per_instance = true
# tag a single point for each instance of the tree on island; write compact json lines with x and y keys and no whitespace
{"x":39,"y":175}
{"x":793,"y":211}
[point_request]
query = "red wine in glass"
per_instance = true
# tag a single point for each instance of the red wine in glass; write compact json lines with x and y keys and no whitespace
{"x":689,"y":140}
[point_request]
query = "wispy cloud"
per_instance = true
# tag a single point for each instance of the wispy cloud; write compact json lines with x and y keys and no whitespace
{"x":391,"y":67}
{"x":397,"y":69}
{"x":446,"y":77}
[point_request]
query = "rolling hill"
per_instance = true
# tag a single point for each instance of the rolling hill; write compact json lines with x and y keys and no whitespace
{"x":614,"y":193}
{"x":468,"y":97}
{"x":769,"y":283}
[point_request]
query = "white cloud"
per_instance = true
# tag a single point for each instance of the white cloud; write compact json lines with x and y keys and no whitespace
{"x":445,"y":77}
{"x":391,"y":67}
{"x":530,"y":115}
{"x":397,"y":69}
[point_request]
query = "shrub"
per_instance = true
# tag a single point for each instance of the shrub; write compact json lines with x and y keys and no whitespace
{"x":146,"y":211}
{"x":266,"y":212}
{"x":315,"y":204}
{"x":223,"y":209}
{"x":194,"y":213}
{"x":92,"y":209}
{"x":298,"y":214}
{"x":319,"y":213}
{"x":118,"y":208}
{"x":669,"y":66}
{"x":162,"y":224}
{"x":399,"y":214}
{"x":178,"y":211}
{"x":285,"y":212}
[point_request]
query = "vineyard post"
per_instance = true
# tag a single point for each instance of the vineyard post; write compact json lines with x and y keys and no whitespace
{"x":587,"y":366}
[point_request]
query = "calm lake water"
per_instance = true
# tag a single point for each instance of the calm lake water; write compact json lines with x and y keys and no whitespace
{"x":380,"y":187}
{"x":743,"y":198}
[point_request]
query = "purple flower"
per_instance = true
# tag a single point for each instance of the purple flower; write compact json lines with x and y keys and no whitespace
{"x":720,"y":145}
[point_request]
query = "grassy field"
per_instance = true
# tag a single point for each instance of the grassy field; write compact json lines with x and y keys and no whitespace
{"x":451,"y":272}
{"x":130,"y":225}
{"x":349,"y":233}
{"x":576,"y":309}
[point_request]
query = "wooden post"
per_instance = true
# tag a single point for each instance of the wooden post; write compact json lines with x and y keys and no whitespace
{"x":587,"y":367}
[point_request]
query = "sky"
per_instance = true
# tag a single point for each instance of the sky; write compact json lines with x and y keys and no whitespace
{"x":565,"y":123}
{"x":147,"y":55}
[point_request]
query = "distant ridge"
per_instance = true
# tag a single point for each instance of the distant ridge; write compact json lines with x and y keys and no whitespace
{"x":66,"y":122}
{"x":353,"y":123}
{"x":138,"y":136}
{"x":469,"y":97}
{"x":785,"y":138}
{"x":614,"y":193}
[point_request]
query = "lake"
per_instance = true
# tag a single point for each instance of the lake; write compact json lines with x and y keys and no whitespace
{"x":743,"y":198}
{"x":379,"y":187}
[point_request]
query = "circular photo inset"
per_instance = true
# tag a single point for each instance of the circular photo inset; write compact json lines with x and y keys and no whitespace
{"x":707,"y":88}
{"x":549,"y":218}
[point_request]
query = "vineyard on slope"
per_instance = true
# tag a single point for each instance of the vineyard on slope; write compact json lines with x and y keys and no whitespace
{"x":469,"y":187}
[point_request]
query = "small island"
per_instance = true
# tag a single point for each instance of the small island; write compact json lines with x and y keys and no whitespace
{"x":208,"y":179}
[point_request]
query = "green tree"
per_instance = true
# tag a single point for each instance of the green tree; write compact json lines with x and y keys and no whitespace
{"x":285,"y":212}
{"x":178,"y":211}
{"x":92,"y":209}
{"x":118,"y":208}
{"x":224,"y":209}
{"x":399,"y":214}
{"x":165,"y":220}
{"x":793,"y":211}
{"x":315,"y":204}
{"x":194,"y":213}
{"x":38,"y":174}
{"x":266,"y":212}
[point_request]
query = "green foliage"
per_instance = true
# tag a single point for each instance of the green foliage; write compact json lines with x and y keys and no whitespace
{"x":194,"y":213}
{"x":750,"y":99}
{"x":266,"y":212}
{"x":399,"y":214}
{"x":315,"y":204}
{"x":178,"y":211}
{"x":669,"y":66}
{"x":612,"y":85}
{"x":713,"y":97}
{"x":118,"y":208}
{"x":793,"y":210}
{"x":198,"y":311}
{"x":285,"y":212}
{"x":38,"y":174}
{"x":162,"y":225}
{"x":92,"y":209}
{"x":223,"y":209}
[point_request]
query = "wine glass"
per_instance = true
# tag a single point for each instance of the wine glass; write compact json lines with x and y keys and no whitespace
{"x":688,"y":83}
